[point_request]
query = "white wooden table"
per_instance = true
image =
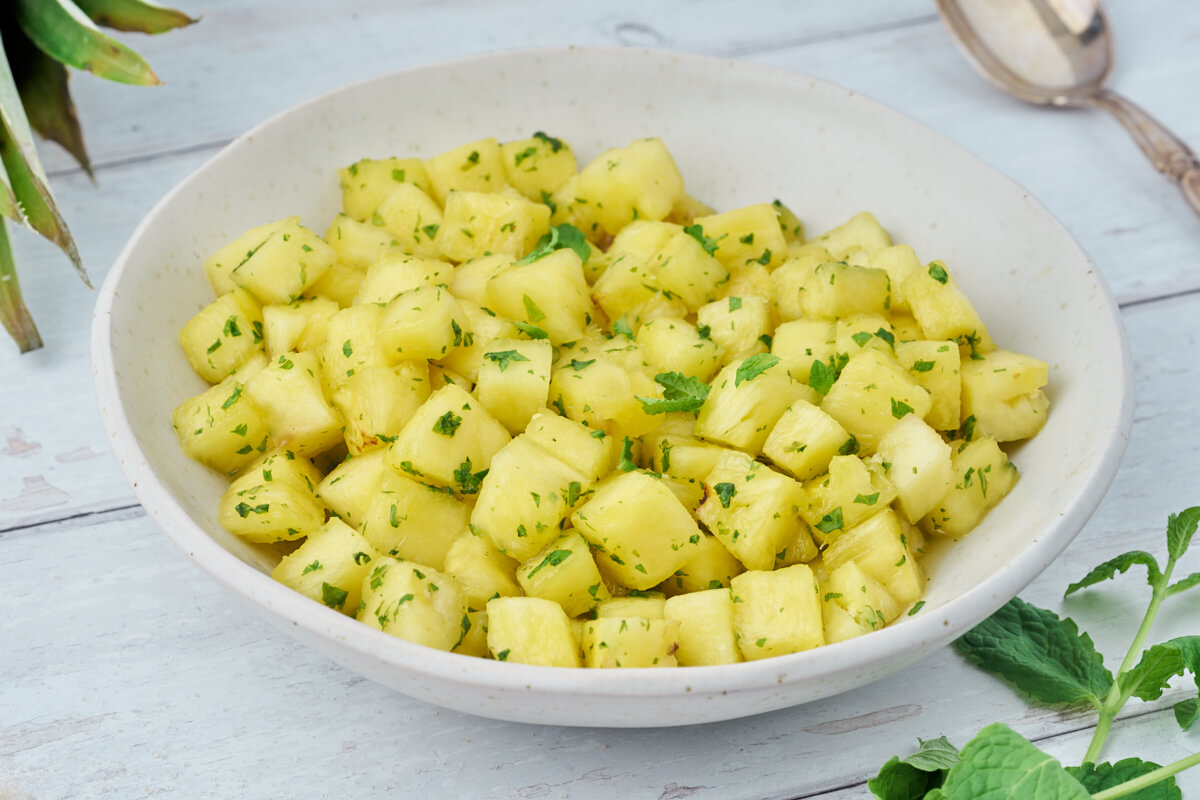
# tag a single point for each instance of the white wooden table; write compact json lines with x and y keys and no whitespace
{"x":126,"y":672}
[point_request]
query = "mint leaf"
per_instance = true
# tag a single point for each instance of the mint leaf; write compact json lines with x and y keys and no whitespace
{"x":468,"y":482}
{"x":913,"y":777}
{"x":332,"y":596}
{"x":697,"y":233}
{"x":553,"y":560}
{"x":532,"y":331}
{"x":1121,"y":563}
{"x":621,"y":328}
{"x":558,"y":238}
{"x":1187,"y":712}
{"x":1098,"y":777}
{"x":1000,"y":764}
{"x":821,"y":377}
{"x":502,"y":358}
{"x":1041,"y":655}
{"x":1183,"y":584}
{"x":680,"y":393}
{"x":725,"y":492}
{"x":1180,"y":529}
{"x":1158,"y":666}
{"x":625,"y":464}
{"x":754,"y":366}
{"x":934,"y":754}
{"x":532,"y":311}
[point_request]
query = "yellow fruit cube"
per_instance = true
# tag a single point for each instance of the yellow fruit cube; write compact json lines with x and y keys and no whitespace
{"x":800,"y":342}
{"x":746,"y":400}
{"x":482,"y":571}
{"x":626,"y":642}
{"x":879,"y":548}
{"x":775,"y":613}
{"x":846,"y":495}
{"x":943,"y":310}
{"x":297,"y":326}
{"x":514,"y":380}
{"x":592,"y":452}
{"x":710,"y":567}
{"x":1002,"y":390}
{"x":538,"y":166}
{"x":603,"y":395}
{"x":872,"y":394}
{"x":375,"y":403}
{"x":804,"y":440}
{"x":530,"y":630}
{"x":548,"y":295}
{"x":388,"y":277}
{"x":350,"y":486}
{"x":221,"y":263}
{"x":368,"y":182}
{"x":565,"y":572}
{"x":983,"y":476}
{"x":289,"y":395}
{"x":289,"y":261}
{"x":740,"y":326}
{"x":223,"y":336}
{"x":671,"y":344}
{"x":221,"y":428}
{"x":639,"y":181}
{"x":360,"y":244}
{"x":935,"y":365}
{"x":706,"y":635}
{"x":329,"y":567}
{"x":414,"y":521}
{"x":351,"y":344}
{"x":275,"y":500}
{"x":917,"y":462}
{"x":750,"y":235}
{"x":473,"y":167}
{"x":414,"y":602}
{"x":862,"y":597}
{"x":482,"y":223}
{"x":421,"y":323}
{"x":862,"y":232}
{"x":837,"y":289}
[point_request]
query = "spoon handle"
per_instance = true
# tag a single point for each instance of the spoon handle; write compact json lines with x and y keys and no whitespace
{"x":1169,"y":155}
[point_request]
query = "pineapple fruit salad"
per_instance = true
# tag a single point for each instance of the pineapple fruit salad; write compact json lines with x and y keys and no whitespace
{"x":527,"y":412}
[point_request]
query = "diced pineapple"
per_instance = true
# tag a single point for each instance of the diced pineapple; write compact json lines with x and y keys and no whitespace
{"x":860,"y":332}
{"x":592,"y":452}
{"x":603,"y":395}
{"x":630,"y":552}
{"x":789,"y":223}
{"x":750,"y":235}
{"x":804,"y":440}
{"x":682,"y":456}
{"x":565,"y":572}
{"x":480,"y":223}
{"x":836,"y":289}
{"x":329,"y":566}
{"x":671,"y":344}
{"x":421,"y":323}
{"x":340,"y":284}
{"x":867,"y":602}
{"x":221,"y":428}
{"x":839,"y":625}
{"x":414,"y":521}
{"x":473,"y":167}
{"x":752,"y":280}
{"x":482,"y":571}
{"x":469,"y":282}
{"x":221,"y":263}
{"x":548,"y":293}
{"x":367,"y":183}
{"x":935,"y":365}
{"x":612,"y":642}
{"x":351,"y":344}
{"x":360,"y":244}
{"x":298,"y":326}
{"x":413,"y":220}
{"x":800,"y":342}
{"x":646,"y":605}
{"x":538,"y":166}
{"x":474,"y":639}
{"x":514,"y":380}
{"x":740,"y":326}
{"x":566,"y":206}
{"x":479,"y":330}
{"x":642,"y":239}
{"x":904,"y":326}
{"x":414,"y":602}
{"x":898,"y":261}
{"x":223,"y":335}
{"x":1002,"y":390}
{"x":917,"y":462}
{"x":390,"y":276}
{"x":289,"y":394}
{"x":746,"y":400}
{"x":800,"y":549}
{"x":862,"y":231}
{"x":375,"y":403}
{"x":775,"y":613}
{"x":788,"y":280}
{"x":687,"y":208}
{"x":942,"y":309}
{"x":705,"y":628}
{"x":530,"y":630}
{"x":639,"y":181}
{"x":710,"y":567}
{"x":450,"y":439}
{"x":440,"y":376}
{"x":526,"y":497}
{"x":983,"y":476}
{"x":629,"y":289}
{"x":684,"y":269}
{"x":879,"y":548}
{"x":289,"y":261}
{"x":275,"y":500}
{"x":843,"y":497}
{"x":350,"y":486}
{"x":872,"y":394}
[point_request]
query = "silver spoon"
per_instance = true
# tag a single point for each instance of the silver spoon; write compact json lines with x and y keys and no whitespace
{"x":1059,"y":53}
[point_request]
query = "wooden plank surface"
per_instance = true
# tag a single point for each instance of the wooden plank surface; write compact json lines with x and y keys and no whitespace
{"x":128,"y":672}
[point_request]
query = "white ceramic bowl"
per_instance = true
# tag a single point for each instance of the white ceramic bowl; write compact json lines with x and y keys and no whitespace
{"x":741,"y":134}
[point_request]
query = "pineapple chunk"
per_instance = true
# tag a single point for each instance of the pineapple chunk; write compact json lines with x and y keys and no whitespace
{"x":351,"y":344}
{"x":639,"y":181}
{"x":917,"y":462}
{"x":642,"y":239}
{"x":612,"y":642}
{"x":687,"y":208}
{"x":645,"y":605}
{"x":752,"y":280}
{"x":339,"y":283}
{"x":671,"y":344}
{"x":746,"y":400}
{"x":290,"y":397}
{"x":594,"y":453}
{"x":775,"y":613}
{"x":530,"y":630}
{"x":221,"y":428}
{"x":473,"y":167}
{"x":898,"y":261}
{"x":440,"y":376}
{"x":750,"y":508}
{"x":878,"y":546}
{"x":514,"y":380}
{"x":711,"y":567}
{"x":480,"y":328}
{"x":706,"y":635}
{"x":804,"y":440}
{"x":350,"y":486}
{"x":603,"y":395}
{"x":750,"y":235}
{"x":413,"y":521}
{"x":289,"y":261}
{"x":789,"y":223}
{"x":860,"y":332}
{"x":375,"y":403}
{"x":413,"y":220}
{"x":538,"y":166}
{"x":935,"y":365}
{"x":837,"y":289}
{"x":469,"y":282}
{"x":849,"y":493}
{"x":872,"y":394}
{"x":801,"y":342}
{"x":414,"y":602}
{"x":223,"y":336}
{"x":360,"y":244}
{"x":629,"y":289}
{"x":388,"y":277}
{"x":449,"y":440}
{"x":788,"y":280}
{"x":942,"y":310}
{"x":565,"y":572}
{"x":740,"y":326}
{"x":481,"y":223}
{"x":474,"y":638}
{"x":682,"y":456}
{"x":632,"y":554}
{"x":221,"y":263}
{"x":1003,"y":391}
{"x":866,"y":601}
{"x":298,"y":326}
{"x":983,"y":476}
{"x":566,"y":206}
{"x":548,"y":293}
{"x":368,"y":182}
{"x":482,"y":571}
{"x":685,"y":270}
{"x":329,"y":566}
{"x":905,"y":327}
{"x":421,"y":323}
{"x":861,"y":232}
{"x":526,"y":498}
{"x":839,"y":625}
{"x":275,"y":500}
